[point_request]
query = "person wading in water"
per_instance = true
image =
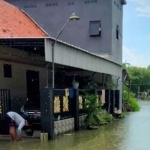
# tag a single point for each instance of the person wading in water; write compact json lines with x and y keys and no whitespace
{"x":15,"y":122}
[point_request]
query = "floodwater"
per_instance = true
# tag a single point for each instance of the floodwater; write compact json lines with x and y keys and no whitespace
{"x":130,"y":133}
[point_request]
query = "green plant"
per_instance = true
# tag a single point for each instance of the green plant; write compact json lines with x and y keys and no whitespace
{"x":92,"y":107}
{"x":130,"y":103}
{"x":109,"y":117}
{"x":122,"y":115}
{"x":95,"y":114}
{"x":105,"y":117}
{"x":134,"y":106}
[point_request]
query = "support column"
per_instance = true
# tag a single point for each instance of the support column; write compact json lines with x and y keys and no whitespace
{"x":117,"y":99}
{"x":76,"y":110}
{"x":112,"y":100}
{"x":47,"y":112}
{"x":107,"y":100}
{"x":120,"y":88}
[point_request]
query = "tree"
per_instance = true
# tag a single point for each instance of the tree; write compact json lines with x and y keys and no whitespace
{"x":139,"y":76}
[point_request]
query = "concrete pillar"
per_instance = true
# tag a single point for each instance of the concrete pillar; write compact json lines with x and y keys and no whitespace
{"x":47,"y":112}
{"x":76,"y":109}
{"x":120,"y":88}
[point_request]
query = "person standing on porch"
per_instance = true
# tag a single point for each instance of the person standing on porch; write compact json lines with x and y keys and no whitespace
{"x":15,"y":121}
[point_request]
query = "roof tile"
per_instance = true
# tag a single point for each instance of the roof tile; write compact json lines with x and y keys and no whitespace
{"x":15,"y":23}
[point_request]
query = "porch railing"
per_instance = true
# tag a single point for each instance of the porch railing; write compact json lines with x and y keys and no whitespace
{"x":63,"y":102}
{"x":58,"y":104}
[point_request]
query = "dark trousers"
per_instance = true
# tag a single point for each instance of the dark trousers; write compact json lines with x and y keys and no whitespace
{"x":10,"y":121}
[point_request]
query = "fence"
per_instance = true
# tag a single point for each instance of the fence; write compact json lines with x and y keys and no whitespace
{"x":59,"y":104}
{"x":4,"y":102}
{"x":64,"y":101}
{"x":4,"y":107}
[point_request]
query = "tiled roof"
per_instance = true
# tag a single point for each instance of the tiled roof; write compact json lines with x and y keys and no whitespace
{"x":15,"y":23}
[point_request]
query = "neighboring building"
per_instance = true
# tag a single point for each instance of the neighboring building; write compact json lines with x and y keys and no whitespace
{"x":98,"y":31}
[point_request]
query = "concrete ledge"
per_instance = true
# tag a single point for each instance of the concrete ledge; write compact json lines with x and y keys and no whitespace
{"x":81,"y":120}
{"x":63,"y":126}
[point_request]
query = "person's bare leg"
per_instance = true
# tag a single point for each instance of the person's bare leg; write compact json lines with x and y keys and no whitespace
{"x":12,"y":132}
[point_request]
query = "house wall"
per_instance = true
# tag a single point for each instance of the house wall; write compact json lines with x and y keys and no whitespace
{"x":117,"y":19}
{"x":51,"y":16}
{"x":17,"y":84}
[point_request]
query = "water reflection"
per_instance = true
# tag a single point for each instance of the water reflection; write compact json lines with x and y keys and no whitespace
{"x":131,"y":133}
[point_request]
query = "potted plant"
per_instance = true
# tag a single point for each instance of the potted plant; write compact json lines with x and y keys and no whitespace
{"x":92,"y":108}
{"x":75,"y":84}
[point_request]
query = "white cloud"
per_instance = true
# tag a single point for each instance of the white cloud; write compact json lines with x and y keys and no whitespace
{"x":143,"y":7}
{"x":134,"y":58}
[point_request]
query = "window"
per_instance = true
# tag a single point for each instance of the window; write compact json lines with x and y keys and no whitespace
{"x":117,"y":32}
{"x":7,"y":71}
{"x":95,"y":28}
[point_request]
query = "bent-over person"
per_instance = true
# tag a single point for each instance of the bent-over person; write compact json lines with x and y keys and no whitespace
{"x":16,"y":123}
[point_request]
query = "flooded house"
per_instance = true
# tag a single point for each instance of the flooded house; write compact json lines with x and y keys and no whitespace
{"x":40,"y":57}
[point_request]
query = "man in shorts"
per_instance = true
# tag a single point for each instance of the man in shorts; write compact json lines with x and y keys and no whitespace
{"x":15,"y":121}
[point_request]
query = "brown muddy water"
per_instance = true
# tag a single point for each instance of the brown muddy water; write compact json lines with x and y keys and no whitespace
{"x":130,"y":133}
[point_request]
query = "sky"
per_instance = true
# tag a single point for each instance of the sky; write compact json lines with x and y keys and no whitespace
{"x":136,"y":33}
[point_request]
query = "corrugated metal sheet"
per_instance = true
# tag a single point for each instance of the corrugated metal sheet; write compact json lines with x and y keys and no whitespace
{"x":74,"y":57}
